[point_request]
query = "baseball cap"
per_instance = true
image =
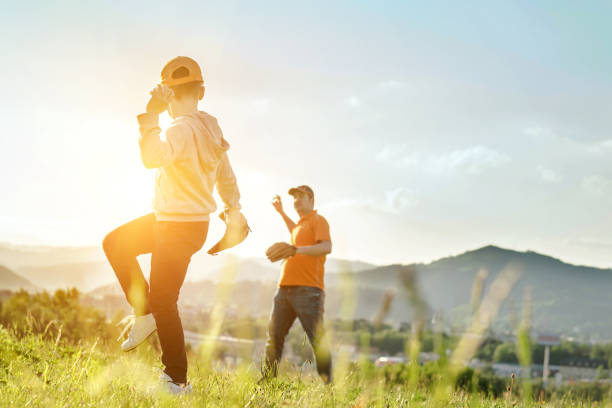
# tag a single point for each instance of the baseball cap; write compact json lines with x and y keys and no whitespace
{"x":302,"y":189}
{"x":181,"y":70}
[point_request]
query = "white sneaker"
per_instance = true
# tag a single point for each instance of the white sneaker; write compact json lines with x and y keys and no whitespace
{"x":142,"y":327}
{"x":174,"y":388}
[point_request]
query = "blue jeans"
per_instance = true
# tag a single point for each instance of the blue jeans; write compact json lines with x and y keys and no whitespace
{"x":171,"y":244}
{"x":306,"y":304}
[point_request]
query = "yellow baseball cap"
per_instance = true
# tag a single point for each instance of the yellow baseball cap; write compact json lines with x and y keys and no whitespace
{"x":181,"y":70}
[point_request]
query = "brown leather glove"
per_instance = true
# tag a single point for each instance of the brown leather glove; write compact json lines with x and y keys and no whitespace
{"x":236,"y":231}
{"x":280,"y":250}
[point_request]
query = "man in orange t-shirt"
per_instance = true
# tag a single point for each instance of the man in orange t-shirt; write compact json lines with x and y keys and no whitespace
{"x":300,"y":290}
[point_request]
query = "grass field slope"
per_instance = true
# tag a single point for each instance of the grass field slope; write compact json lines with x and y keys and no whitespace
{"x":38,"y":372}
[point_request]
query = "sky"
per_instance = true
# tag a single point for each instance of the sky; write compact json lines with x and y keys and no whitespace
{"x":426,"y":129}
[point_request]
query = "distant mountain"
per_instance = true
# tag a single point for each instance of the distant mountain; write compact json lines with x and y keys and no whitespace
{"x":16,"y":256}
{"x":82,"y":275}
{"x":240,"y":270}
{"x":11,"y":281}
{"x":86,"y":268}
{"x":566,"y":299}
{"x":334,"y":265}
{"x":52,"y":267}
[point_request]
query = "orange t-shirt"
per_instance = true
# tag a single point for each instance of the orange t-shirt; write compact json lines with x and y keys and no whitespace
{"x":306,"y":270}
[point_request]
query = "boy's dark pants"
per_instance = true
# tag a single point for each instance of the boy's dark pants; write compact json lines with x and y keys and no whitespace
{"x":171,"y":244}
{"x":305,"y":303}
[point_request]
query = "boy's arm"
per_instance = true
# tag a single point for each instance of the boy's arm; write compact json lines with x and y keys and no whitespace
{"x":153,"y":151}
{"x":227,"y":185}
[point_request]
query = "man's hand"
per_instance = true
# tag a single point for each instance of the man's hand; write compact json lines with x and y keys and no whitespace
{"x":280,"y":250}
{"x":277,"y":204}
{"x":160,"y":97}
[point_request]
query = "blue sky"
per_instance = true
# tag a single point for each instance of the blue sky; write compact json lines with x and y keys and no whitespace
{"x":425,"y":129}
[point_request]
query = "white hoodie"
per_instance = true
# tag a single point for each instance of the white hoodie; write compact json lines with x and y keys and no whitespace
{"x":190,"y":163}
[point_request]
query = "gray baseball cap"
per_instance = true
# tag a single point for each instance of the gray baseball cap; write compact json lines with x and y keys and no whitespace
{"x":302,"y":189}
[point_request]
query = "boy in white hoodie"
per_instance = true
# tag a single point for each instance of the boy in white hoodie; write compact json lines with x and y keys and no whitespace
{"x":190,"y":163}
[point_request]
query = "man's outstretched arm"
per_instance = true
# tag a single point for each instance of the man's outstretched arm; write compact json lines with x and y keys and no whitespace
{"x":318,"y":249}
{"x":283,"y":250}
{"x":278,"y":206}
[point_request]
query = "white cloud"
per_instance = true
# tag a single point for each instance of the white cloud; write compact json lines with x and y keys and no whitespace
{"x":352,"y":102}
{"x":603,"y":146}
{"x":548,"y":175}
{"x":472,"y":160}
{"x":391,"y":153}
{"x":596,"y":184}
{"x":399,"y":199}
{"x":539,"y":132}
{"x":569,"y":144}
{"x":390,"y":85}
{"x":392,"y":202}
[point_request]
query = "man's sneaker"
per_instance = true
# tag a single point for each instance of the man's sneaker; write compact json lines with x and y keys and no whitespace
{"x":174,"y":388}
{"x":142,"y":327}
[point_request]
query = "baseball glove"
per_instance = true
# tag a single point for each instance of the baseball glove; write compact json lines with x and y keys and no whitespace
{"x":236,"y":231}
{"x":280,"y":250}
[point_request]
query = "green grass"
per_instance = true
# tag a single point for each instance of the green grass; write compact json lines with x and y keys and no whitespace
{"x":44,"y":373}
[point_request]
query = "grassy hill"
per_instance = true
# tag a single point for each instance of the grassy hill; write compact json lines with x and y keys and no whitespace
{"x":56,"y":352}
{"x":51,"y":373}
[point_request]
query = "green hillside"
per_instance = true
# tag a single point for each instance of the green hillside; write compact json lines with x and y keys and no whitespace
{"x":52,"y":373}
